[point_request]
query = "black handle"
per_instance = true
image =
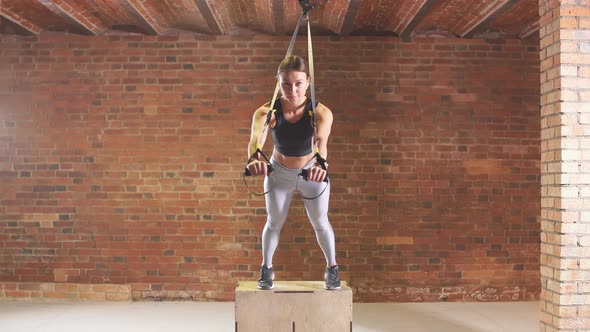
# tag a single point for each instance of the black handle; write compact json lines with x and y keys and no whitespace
{"x":269,"y":170}
{"x":268,"y":165}
{"x":304,"y":175}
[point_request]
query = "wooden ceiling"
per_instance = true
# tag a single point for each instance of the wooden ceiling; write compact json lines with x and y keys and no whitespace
{"x":403,"y":18}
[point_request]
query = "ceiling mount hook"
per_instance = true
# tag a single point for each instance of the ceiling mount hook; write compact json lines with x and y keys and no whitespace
{"x":307,"y":5}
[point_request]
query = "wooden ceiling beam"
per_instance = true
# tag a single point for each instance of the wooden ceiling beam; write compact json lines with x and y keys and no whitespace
{"x":529,"y":30}
{"x":142,"y":16}
{"x":477,"y":25}
{"x":209,"y":16}
{"x":413,"y":23}
{"x":351,"y":13}
{"x":20,"y":21}
{"x":86,"y":25}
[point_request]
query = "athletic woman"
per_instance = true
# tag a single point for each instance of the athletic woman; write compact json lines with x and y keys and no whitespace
{"x":292,"y":130}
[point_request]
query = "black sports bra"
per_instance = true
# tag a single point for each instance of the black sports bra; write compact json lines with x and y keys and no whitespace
{"x":292,"y":139}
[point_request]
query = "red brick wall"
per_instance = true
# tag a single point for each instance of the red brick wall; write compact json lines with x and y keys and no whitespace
{"x":120,"y":163}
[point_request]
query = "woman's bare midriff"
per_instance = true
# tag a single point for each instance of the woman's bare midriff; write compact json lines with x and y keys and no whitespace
{"x":291,"y":162}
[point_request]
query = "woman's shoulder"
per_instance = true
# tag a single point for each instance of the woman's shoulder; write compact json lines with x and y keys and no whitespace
{"x":264,"y":109}
{"x":322,"y":109}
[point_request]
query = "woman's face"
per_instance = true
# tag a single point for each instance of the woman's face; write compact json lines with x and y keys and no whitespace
{"x":293,"y":85}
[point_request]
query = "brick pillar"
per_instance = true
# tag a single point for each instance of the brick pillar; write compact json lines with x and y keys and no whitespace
{"x":565,"y":165}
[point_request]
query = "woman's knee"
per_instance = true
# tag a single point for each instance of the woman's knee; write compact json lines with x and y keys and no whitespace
{"x":274,"y":225}
{"x":321,"y":224}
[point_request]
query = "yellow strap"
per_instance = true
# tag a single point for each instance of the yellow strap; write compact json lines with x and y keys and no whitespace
{"x":312,"y":85}
{"x":288,"y":54}
{"x":302,"y":18}
{"x":277,"y":86}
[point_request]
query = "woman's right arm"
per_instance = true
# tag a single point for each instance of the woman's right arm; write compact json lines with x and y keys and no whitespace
{"x":257,"y":166}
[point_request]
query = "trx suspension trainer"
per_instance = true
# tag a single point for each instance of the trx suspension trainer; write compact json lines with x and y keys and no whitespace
{"x":304,"y":18}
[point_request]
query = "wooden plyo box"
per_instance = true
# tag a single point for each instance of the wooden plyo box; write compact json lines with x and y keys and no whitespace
{"x":293,"y":306}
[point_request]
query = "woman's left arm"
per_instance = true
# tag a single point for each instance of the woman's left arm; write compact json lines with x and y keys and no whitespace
{"x":324,"y":120}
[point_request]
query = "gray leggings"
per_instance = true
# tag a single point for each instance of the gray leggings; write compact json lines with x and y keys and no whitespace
{"x":282,"y":183}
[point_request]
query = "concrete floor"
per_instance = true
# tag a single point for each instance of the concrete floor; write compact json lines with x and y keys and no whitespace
{"x":219,"y":317}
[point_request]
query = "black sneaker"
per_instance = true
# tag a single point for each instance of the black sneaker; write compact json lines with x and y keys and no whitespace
{"x":332,"y":278}
{"x":266,"y":278}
